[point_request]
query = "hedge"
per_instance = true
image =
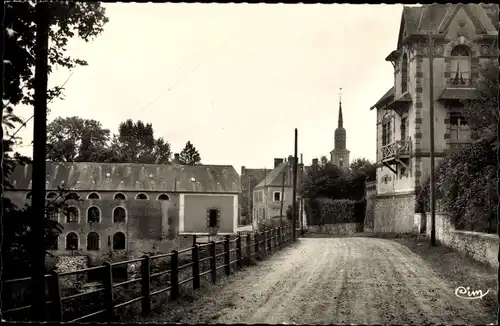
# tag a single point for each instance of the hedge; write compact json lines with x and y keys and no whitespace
{"x":323,"y":211}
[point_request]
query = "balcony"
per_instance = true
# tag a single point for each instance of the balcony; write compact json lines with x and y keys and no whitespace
{"x":459,"y":82}
{"x":396,"y":153}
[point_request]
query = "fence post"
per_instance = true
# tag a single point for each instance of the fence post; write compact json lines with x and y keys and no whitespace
{"x":265,"y":241}
{"x":248,"y":247}
{"x":174,"y":276}
{"x":256,"y":243}
{"x":55,"y":297}
{"x":213,"y":262}
{"x":279,"y":237}
{"x":227,"y":256}
{"x":146,"y":284}
{"x":238,"y":252}
{"x":108,"y":291}
{"x":195,"y":254}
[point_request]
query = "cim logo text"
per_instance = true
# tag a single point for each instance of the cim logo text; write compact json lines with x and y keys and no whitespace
{"x":466,"y":293}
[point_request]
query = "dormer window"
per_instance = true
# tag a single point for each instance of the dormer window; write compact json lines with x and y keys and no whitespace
{"x":404,"y":74}
{"x":460,"y":66}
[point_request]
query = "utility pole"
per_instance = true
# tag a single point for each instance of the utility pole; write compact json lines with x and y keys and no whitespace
{"x":432,"y":180}
{"x":249,"y":203}
{"x":39,"y":165}
{"x":282,"y":191}
{"x":294,"y":202}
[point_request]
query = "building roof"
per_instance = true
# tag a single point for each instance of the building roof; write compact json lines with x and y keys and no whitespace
{"x":274,"y":178}
{"x":133,"y":177}
{"x":384,"y":98}
{"x":458,"y":94}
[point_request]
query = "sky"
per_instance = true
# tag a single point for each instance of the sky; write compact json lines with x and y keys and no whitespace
{"x":235,"y":79}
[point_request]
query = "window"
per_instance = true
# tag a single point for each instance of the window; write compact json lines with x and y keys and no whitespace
{"x":404,"y":74}
{"x":52,"y":214}
{"x":276,"y":196}
{"x":213,"y":215}
{"x":341,"y":162}
{"x":51,"y":195}
{"x":386,"y":132}
{"x":93,"y":241}
{"x":141,"y":196}
{"x":119,"y":215}
{"x":120,"y":196}
{"x":163,"y":197}
{"x":460,"y":66}
{"x":93,"y":214}
{"x":93,"y":195}
{"x":404,"y":128}
{"x":72,"y":214}
{"x":119,"y":241}
{"x":459,"y":129}
{"x":72,"y":241}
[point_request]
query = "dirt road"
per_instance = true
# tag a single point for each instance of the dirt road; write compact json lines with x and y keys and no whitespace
{"x":338,"y":281}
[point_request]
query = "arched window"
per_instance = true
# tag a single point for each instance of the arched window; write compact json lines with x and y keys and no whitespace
{"x":52,"y":213}
{"x":27,"y":198}
{"x":119,"y":215}
{"x":93,"y":241}
{"x":163,"y":197}
{"x":51,"y":195}
{"x":93,"y":195}
{"x":72,"y":214}
{"x":460,"y":65}
{"x":119,"y":196}
{"x":72,"y":241}
{"x":119,"y":241}
{"x":93,"y":214}
{"x":141,"y":196}
{"x":72,"y":196}
{"x":404,"y":74}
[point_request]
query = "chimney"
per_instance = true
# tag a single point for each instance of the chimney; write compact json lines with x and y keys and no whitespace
{"x":176,"y":158}
{"x":277,"y":161}
{"x":315,"y":162}
{"x":243,"y":170}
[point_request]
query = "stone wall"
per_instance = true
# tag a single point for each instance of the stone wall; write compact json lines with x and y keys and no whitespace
{"x":394,"y":213}
{"x":369,"y":214}
{"x":482,"y":247}
{"x":337,"y":229}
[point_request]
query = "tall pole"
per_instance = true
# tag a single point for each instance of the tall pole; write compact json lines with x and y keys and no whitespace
{"x":431,"y":127}
{"x":38,"y":176}
{"x":294,"y":195}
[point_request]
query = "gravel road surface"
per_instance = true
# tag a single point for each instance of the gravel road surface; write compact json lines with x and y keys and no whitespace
{"x":338,"y":281}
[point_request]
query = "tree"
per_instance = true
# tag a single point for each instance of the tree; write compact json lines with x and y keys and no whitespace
{"x":189,"y":155}
{"x":136,"y":143}
{"x":483,"y":112}
{"x":75,"y":139}
{"x":67,"y":19}
{"x":324,"y":181}
{"x":361,"y":170}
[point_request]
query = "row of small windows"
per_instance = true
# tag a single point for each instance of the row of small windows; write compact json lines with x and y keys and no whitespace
{"x":93,"y":214}
{"x":117,"y":196}
{"x":93,"y":241}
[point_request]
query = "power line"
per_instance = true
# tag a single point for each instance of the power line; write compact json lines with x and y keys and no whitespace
{"x":183,"y":77}
{"x":25,"y":122}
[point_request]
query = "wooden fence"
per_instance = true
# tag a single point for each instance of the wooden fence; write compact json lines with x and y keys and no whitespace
{"x":190,"y":265}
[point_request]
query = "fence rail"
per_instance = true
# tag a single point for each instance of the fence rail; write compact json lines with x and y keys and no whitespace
{"x":235,"y":253}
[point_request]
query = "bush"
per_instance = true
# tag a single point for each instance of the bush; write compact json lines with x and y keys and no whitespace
{"x":332,"y":211}
{"x":466,"y":187}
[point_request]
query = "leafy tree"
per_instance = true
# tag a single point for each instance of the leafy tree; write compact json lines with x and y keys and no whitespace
{"x":483,"y":112}
{"x":67,"y":19}
{"x":323,"y":160}
{"x":324,"y":181}
{"x":75,"y":139}
{"x":189,"y":155}
{"x":360,"y":171}
{"x":136,"y":143}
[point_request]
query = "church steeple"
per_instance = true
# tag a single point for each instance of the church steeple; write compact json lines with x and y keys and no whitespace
{"x":341,"y":121}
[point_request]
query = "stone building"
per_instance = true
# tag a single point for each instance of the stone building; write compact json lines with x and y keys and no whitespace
{"x":249,"y":179}
{"x":465,"y":36}
{"x":275,"y":187}
{"x":340,"y":155}
{"x":132,"y":209}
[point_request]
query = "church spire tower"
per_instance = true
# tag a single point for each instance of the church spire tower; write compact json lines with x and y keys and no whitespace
{"x":340,"y":155}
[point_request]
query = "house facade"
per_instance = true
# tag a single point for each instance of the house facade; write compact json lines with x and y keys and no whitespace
{"x":249,"y":179}
{"x":133,"y":209}
{"x":275,"y":188}
{"x":465,"y":37}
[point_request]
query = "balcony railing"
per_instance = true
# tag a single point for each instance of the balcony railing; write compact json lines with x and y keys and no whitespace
{"x":464,"y":82}
{"x":397,"y":149}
